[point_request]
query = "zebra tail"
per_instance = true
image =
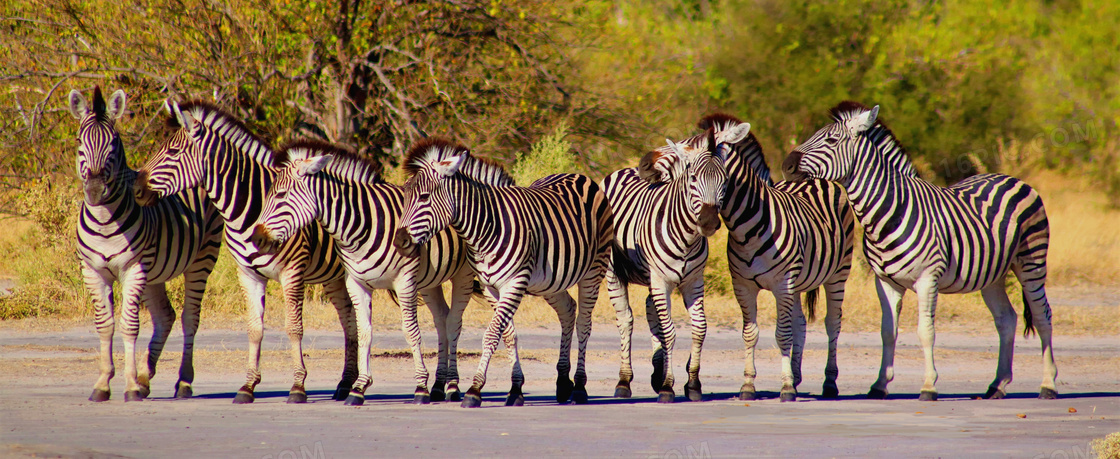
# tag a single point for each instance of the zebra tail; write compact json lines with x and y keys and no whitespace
{"x":811,"y":304}
{"x":1028,"y":317}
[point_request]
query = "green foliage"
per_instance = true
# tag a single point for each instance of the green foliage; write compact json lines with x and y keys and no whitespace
{"x":1107,"y":447}
{"x":551,"y":155}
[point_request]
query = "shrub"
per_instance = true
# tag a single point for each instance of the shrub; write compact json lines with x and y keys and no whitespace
{"x":551,"y":155}
{"x":1107,"y":447}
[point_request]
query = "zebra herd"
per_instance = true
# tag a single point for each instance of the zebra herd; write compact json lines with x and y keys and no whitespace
{"x":315,"y":213}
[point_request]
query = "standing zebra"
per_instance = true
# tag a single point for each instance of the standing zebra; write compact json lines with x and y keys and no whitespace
{"x":787,"y":238}
{"x":214,"y":150}
{"x":140,"y":247}
{"x":931,"y":240}
{"x":345,"y":193}
{"x":664,"y":210}
{"x":539,"y":240}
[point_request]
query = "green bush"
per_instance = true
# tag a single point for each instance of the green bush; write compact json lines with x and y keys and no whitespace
{"x":551,"y":155}
{"x":1107,"y":447}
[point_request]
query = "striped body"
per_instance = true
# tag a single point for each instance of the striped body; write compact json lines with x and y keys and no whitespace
{"x":361,"y":212}
{"x":140,"y":247}
{"x":539,"y":240}
{"x":217,"y":152}
{"x":930,"y":239}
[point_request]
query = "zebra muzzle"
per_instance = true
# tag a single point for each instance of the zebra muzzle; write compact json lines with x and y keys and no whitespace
{"x":403,"y":242}
{"x":143,"y":193}
{"x":709,"y":219}
{"x":94,"y":191}
{"x":792,"y":167}
{"x":263,"y":239}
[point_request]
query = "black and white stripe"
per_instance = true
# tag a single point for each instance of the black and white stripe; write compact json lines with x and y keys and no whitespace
{"x":346,"y":195}
{"x":140,"y":247}
{"x":930,"y":239}
{"x":539,"y":240}
{"x":664,"y":210}
{"x":214,"y":150}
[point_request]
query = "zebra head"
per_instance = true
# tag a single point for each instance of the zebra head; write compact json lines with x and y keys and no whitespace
{"x":429,"y":206}
{"x":830,"y":153}
{"x":290,"y":204}
{"x":177,"y":165}
{"x":100,"y":152}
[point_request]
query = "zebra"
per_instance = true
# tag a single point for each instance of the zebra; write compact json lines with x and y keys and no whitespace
{"x":930,"y":239}
{"x":664,"y":210}
{"x":539,"y":240}
{"x":216,"y":151}
{"x":142,"y":248}
{"x":346,"y":194}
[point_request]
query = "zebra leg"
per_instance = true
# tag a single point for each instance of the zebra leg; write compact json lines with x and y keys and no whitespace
{"x":360,"y":298}
{"x":461,"y":288}
{"x":746,"y":292}
{"x":194,"y":284}
{"x":163,"y":320}
{"x":254,"y":294}
{"x":926,"y":289}
{"x":508,"y":299}
{"x":517,"y":378}
{"x":101,"y":290}
{"x":1033,"y":279}
{"x":659,"y":292}
{"x":291,"y":282}
{"x":433,"y":297}
{"x":624,"y":318}
{"x":995,"y":296}
{"x":797,"y":351}
{"x":785,"y":333}
{"x":336,"y":292}
{"x":588,"y":296}
{"x":657,"y":379}
{"x":693,"y":294}
{"x":834,"y":298}
{"x":890,"y":300}
{"x":410,"y":325}
{"x":132,"y":290}
{"x":565,"y":308}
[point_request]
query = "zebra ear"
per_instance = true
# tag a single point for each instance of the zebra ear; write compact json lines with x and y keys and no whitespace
{"x":734,"y":135}
{"x":117,"y":103}
{"x":313,"y":165}
{"x":186,"y":120}
{"x":864,"y":121}
{"x":449,"y":166}
{"x":78,"y":107}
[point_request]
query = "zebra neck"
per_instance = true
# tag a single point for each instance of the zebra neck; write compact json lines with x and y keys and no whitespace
{"x":121,"y":202}
{"x":877,"y":191}
{"x":351,"y":212}
{"x":745,"y":197}
{"x":476,"y":213}
{"x":681,"y":225}
{"x":236,"y":185}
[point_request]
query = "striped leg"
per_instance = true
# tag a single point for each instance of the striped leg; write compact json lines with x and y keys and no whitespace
{"x":509,"y":298}
{"x":433,"y":297}
{"x":624,"y":316}
{"x":588,"y":295}
{"x":254,"y":295}
{"x":101,"y":289}
{"x":565,"y":308}
{"x":517,"y":379}
{"x":410,"y":325}
{"x":693,"y":294}
{"x":660,"y":317}
{"x":1033,"y":279}
{"x":834,"y":297}
{"x":790,"y":335}
{"x":461,"y":288}
{"x":163,"y":320}
{"x":746,"y":292}
{"x":291,"y":282}
{"x":360,"y":297}
{"x":336,"y":292}
{"x":995,"y":296}
{"x":132,"y":289}
{"x":194,"y":284}
{"x":926,"y":289}
{"x":890,"y":300}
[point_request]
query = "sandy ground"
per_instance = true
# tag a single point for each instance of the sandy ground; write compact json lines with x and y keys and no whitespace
{"x":45,"y":378}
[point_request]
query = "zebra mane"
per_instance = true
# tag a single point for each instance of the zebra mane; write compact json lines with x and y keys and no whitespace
{"x":346,"y":165}
{"x":879,"y":134}
{"x":235,"y":130}
{"x":719,"y":121}
{"x":431,"y":150}
{"x":748,"y":150}
{"x":98,"y":105}
{"x":663,"y":164}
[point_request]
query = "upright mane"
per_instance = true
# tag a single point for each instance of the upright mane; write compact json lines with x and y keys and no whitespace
{"x":879,"y":134}
{"x":229,"y":127}
{"x":748,"y":150}
{"x":346,"y":165}
{"x":434,"y":149}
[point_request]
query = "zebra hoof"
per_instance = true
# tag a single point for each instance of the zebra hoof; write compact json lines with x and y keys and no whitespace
{"x":355,"y":400}
{"x":666,"y":396}
{"x":1047,"y":393}
{"x":133,"y":396}
{"x":145,"y":391}
{"x":693,"y":392}
{"x":438,"y":395}
{"x":453,"y":394}
{"x":515,"y":397}
{"x":563,"y":389}
{"x":342,"y":391}
{"x":788,"y":396}
{"x":994,"y":394}
{"x":747,"y":395}
{"x":471,"y":399}
{"x":927,"y":396}
{"x":876,"y":394}
{"x":421,"y":399}
{"x":183,"y":391}
{"x":622,"y":391}
{"x":297,"y":397}
{"x":244,"y":395}
{"x":99,"y":395}
{"x":579,"y":396}
{"x":830,"y":392}
{"x":657,"y":379}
